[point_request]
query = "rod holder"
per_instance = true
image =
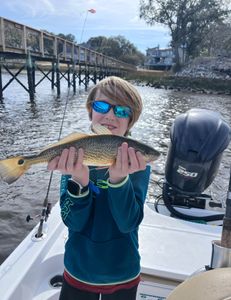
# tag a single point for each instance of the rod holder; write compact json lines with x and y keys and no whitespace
{"x":221,"y":256}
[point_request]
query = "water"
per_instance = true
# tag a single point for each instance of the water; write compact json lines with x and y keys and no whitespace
{"x":26,"y":127}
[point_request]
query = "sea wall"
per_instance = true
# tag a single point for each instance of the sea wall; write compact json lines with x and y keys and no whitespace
{"x":207,"y":67}
{"x":202,"y":75}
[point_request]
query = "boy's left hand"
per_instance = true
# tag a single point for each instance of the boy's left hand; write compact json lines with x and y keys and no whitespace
{"x":127,"y":162}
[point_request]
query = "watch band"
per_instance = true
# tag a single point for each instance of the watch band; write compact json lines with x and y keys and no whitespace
{"x":75,"y":188}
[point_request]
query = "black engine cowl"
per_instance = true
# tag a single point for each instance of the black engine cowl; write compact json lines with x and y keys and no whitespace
{"x":198,"y":139}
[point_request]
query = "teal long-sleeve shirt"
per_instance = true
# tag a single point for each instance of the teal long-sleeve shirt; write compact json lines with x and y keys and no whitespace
{"x":102,"y":245}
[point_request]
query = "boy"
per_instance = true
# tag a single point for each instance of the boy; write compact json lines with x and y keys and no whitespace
{"x":103,"y":209}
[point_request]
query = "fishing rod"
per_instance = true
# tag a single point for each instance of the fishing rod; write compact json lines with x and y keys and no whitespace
{"x":92,"y":11}
{"x":46,"y":209}
{"x":81,"y":37}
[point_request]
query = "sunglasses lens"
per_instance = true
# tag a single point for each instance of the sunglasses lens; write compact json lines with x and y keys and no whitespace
{"x":122,"y":111}
{"x":101,"y":107}
{"x":119,"y":111}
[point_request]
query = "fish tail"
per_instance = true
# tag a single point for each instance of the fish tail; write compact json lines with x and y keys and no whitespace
{"x":12,"y":168}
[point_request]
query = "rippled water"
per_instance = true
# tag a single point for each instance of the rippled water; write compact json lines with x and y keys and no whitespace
{"x":26,"y":127}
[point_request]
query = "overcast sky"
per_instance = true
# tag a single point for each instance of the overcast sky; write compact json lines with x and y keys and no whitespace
{"x":112,"y":18}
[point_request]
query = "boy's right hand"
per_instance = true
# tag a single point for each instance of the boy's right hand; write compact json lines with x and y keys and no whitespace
{"x":71,"y":162}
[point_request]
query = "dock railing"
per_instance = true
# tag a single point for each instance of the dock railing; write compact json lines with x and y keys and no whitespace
{"x":16,"y":38}
{"x":25,"y":48}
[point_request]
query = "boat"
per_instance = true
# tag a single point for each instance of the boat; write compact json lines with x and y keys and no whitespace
{"x":173,"y":247}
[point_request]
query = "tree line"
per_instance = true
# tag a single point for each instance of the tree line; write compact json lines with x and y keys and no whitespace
{"x":117,"y":47}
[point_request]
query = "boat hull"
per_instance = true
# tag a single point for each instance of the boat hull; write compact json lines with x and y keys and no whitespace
{"x":171,"y":250}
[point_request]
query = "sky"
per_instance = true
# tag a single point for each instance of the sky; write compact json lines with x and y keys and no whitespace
{"x":112,"y":18}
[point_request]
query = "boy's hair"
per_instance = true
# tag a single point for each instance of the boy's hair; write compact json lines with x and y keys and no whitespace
{"x":122,"y":92}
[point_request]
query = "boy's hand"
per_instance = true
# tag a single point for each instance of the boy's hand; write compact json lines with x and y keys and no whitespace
{"x":127,"y":162}
{"x":71,"y":162}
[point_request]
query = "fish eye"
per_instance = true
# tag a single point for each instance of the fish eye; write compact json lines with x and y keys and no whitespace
{"x":21,"y":162}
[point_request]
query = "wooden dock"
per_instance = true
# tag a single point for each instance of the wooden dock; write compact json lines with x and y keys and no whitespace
{"x":33,"y":50}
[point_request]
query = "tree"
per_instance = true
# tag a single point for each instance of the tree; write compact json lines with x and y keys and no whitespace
{"x":188,"y":21}
{"x":218,"y":40}
{"x":69,"y":37}
{"x":117,"y":47}
{"x":96,"y":43}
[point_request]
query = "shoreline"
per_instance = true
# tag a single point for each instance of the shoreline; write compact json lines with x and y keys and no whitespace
{"x":166,"y":80}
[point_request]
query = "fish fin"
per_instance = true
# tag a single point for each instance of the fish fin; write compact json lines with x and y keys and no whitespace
{"x":99,"y":129}
{"x":12,"y":168}
{"x":70,"y":138}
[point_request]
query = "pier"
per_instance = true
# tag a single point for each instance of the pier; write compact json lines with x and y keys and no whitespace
{"x":23,"y":48}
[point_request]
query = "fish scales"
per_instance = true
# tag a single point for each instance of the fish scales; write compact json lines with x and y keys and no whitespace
{"x":96,"y":148}
{"x":99,"y":150}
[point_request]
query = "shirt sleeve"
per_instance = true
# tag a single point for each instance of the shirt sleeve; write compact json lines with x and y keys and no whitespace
{"x":126,"y":201}
{"x":75,"y":210}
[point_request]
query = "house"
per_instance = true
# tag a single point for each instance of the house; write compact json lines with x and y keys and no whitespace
{"x":159,"y":59}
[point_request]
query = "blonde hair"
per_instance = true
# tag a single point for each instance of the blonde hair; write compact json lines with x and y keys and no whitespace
{"x":122,"y":92}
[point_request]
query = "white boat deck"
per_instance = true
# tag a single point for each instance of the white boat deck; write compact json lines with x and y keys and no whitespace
{"x":170,"y":249}
{"x":173,"y":248}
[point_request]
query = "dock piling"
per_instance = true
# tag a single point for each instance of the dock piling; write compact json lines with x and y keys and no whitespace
{"x":58,"y":78}
{"x":30,"y":76}
{"x":53,"y":75}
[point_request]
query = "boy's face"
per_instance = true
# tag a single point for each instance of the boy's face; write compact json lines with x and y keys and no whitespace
{"x":117,"y":126}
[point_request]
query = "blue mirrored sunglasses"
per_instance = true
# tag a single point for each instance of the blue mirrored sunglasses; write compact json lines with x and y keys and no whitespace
{"x":103,"y":107}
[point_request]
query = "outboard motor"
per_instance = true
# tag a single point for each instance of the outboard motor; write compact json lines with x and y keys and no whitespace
{"x":198,"y":139}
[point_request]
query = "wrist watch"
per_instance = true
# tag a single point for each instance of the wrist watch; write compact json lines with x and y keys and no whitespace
{"x":75,"y":188}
